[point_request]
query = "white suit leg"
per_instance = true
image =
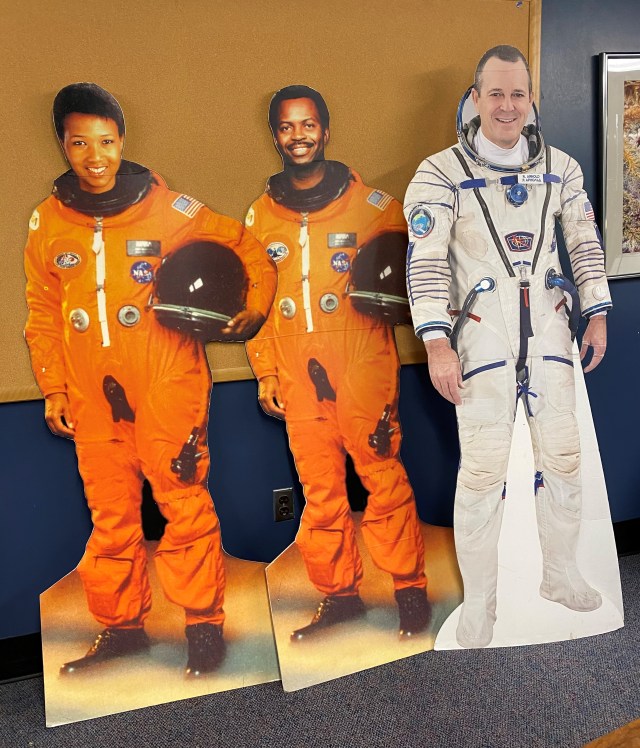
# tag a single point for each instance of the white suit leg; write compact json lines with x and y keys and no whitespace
{"x":485,"y":425}
{"x":556,"y":447}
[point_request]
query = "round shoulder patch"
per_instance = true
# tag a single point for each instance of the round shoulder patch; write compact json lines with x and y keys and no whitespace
{"x":142,"y":272}
{"x":421,"y":221}
{"x":251,"y":217}
{"x":277,"y":250}
{"x":67,"y":260}
{"x":34,"y":221}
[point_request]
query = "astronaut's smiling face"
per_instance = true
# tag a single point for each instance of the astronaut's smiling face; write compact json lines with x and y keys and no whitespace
{"x":300,"y":137}
{"x":504,"y":101}
{"x":93,"y":147}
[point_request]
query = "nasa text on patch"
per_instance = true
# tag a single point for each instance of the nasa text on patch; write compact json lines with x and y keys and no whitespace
{"x":143,"y":248}
{"x":519,"y":241}
{"x":421,"y":221}
{"x":142,"y":272}
{"x":340,"y":262}
{"x":342,"y":239}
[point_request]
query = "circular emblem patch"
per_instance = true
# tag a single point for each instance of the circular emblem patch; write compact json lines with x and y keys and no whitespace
{"x":421,"y":221}
{"x":142,"y":272}
{"x":340,"y":262}
{"x":67,"y":260}
{"x":278,"y":251}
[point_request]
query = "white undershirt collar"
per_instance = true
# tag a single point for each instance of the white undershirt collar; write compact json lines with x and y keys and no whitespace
{"x":491,"y":152}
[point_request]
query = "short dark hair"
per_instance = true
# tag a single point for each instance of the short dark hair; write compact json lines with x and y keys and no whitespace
{"x":297,"y":92}
{"x":503,"y":52}
{"x":85,"y":98}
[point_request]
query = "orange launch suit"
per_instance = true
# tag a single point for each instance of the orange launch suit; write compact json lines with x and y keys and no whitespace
{"x":166,"y":381}
{"x":312,"y":319}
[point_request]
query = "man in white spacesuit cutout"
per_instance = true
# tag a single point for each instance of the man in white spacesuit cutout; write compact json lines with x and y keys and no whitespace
{"x":498,"y":321}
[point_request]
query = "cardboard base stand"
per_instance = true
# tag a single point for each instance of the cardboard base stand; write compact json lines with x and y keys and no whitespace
{"x":366,"y":641}
{"x":157,"y":676}
{"x":523,"y":617}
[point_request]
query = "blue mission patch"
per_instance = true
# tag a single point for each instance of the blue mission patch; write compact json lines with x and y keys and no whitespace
{"x":519,"y":241}
{"x":340,"y":262}
{"x":142,"y":272}
{"x":421,"y":221}
{"x":67,"y":260}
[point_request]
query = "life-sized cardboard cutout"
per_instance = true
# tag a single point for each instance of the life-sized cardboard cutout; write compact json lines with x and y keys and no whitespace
{"x":123,"y":289}
{"x":326,"y":362}
{"x":498,"y":319}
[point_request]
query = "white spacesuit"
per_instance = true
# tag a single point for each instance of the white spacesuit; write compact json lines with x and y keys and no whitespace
{"x":482,"y":268}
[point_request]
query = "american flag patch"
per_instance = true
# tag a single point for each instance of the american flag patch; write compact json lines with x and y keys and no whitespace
{"x":379,"y":199}
{"x":588,"y":212}
{"x":187,"y":205}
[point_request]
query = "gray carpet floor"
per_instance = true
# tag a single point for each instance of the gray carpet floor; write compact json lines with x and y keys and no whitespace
{"x":563,"y":694}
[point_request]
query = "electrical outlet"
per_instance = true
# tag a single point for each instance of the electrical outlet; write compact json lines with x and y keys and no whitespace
{"x":283,"y":504}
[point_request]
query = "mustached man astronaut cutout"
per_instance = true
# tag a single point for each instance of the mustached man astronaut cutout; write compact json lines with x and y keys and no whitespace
{"x":331,"y":371}
{"x":489,"y":301}
{"x":132,"y":393}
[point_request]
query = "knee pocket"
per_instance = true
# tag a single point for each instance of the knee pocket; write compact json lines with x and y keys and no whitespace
{"x":559,"y":444}
{"x":484,"y":454}
{"x":189,"y":513}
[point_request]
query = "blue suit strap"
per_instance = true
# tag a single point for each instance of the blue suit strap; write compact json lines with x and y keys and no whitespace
{"x":472,"y":184}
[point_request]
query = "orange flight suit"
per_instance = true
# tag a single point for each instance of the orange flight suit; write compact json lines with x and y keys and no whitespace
{"x":166,"y":381}
{"x":312,"y":319}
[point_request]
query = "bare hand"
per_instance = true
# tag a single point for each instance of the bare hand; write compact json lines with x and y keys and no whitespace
{"x":270,"y":396}
{"x":57,"y":414}
{"x":595,"y":336}
{"x":245,"y":324}
{"x":444,"y":369}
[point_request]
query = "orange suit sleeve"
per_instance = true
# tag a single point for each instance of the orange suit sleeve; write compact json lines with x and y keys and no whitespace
{"x":44,"y":328}
{"x":260,"y":268}
{"x":261,"y":349}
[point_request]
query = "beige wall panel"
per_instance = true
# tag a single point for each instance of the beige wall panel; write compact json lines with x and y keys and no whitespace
{"x":194,"y":78}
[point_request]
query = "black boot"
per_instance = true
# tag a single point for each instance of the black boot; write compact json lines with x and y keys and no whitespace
{"x":206,"y":648}
{"x":112,"y":642}
{"x":333,"y":609}
{"x":415,"y":611}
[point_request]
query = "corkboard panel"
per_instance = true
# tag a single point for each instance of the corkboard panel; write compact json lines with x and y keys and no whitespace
{"x":194,"y":79}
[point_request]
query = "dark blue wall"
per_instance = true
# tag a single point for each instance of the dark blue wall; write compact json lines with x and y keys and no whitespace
{"x":574,"y":32}
{"x":45,"y":522}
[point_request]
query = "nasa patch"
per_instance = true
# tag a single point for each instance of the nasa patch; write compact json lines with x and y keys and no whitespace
{"x":519,"y":241}
{"x":421,"y":222}
{"x":67,"y":260}
{"x":340,"y":262}
{"x":142,"y":272}
{"x":277,"y":251}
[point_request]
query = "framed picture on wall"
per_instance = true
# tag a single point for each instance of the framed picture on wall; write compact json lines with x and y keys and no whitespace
{"x":620,"y":75}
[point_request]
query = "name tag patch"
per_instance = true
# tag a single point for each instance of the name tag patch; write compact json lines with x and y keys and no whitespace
{"x":341,"y":240}
{"x":143,"y":248}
